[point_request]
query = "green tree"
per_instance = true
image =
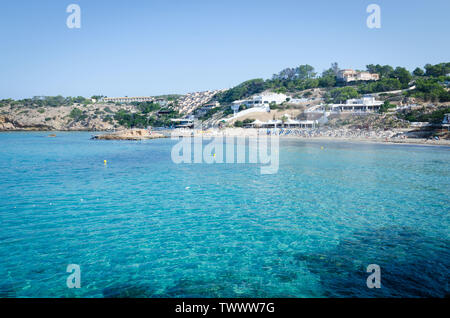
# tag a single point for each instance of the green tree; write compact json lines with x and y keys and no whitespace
{"x":335,"y":68}
{"x":75,"y":113}
{"x":241,"y":91}
{"x":328,"y":78}
{"x":386,"y":106}
{"x":383,"y":85}
{"x":301,"y":72}
{"x":131,"y":120}
{"x":341,"y":94}
{"x":147,"y":107}
{"x":403,"y":75}
{"x":418,"y":72}
{"x":430,"y":89}
{"x":437,"y":70}
{"x":382,"y":70}
{"x":238,"y":123}
{"x":305,"y":71}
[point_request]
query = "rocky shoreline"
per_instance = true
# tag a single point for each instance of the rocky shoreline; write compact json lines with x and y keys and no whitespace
{"x":394,"y":136}
{"x":132,"y":134}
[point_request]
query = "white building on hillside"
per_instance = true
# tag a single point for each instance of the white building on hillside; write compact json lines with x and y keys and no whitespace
{"x":286,"y":122}
{"x":268,"y":98}
{"x":263,"y":100}
{"x":127,"y":99}
{"x":350,"y":75}
{"x":365,"y":104}
{"x":187,"y":122}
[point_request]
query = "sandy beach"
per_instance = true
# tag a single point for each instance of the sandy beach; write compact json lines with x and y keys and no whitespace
{"x":350,"y":135}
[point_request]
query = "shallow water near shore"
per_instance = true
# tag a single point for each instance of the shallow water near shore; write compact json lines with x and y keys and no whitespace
{"x":143,"y":226}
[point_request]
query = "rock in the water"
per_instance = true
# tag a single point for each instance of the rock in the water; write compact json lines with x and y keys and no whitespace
{"x":131,"y":134}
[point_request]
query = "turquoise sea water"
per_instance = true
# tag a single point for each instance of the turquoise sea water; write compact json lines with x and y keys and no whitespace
{"x":142,"y":226}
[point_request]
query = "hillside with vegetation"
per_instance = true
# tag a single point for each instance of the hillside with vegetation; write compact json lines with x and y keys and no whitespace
{"x":68,"y":113}
{"x":294,"y":80}
{"x":426,"y":88}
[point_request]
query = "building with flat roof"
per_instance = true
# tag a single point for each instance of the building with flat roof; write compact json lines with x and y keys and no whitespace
{"x":127,"y":99}
{"x":286,"y":123}
{"x":349,"y":75}
{"x":187,"y":122}
{"x":365,"y":104}
{"x":262,"y":100}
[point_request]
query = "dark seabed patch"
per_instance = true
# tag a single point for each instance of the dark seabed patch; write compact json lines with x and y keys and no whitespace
{"x":194,"y":288}
{"x":127,"y":291}
{"x":7,"y":290}
{"x":412,"y":264}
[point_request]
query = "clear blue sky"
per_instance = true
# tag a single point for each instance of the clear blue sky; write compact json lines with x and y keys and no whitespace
{"x":145,"y":47}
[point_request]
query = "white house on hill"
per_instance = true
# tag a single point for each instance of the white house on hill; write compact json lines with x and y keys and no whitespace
{"x":365,"y":104}
{"x":350,"y":75}
{"x":262,"y":100}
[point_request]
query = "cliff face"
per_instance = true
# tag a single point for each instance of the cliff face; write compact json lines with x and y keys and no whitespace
{"x":5,"y":123}
{"x":87,"y":117}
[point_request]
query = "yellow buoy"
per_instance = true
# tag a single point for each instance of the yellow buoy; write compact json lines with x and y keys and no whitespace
{"x":104,"y":161}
